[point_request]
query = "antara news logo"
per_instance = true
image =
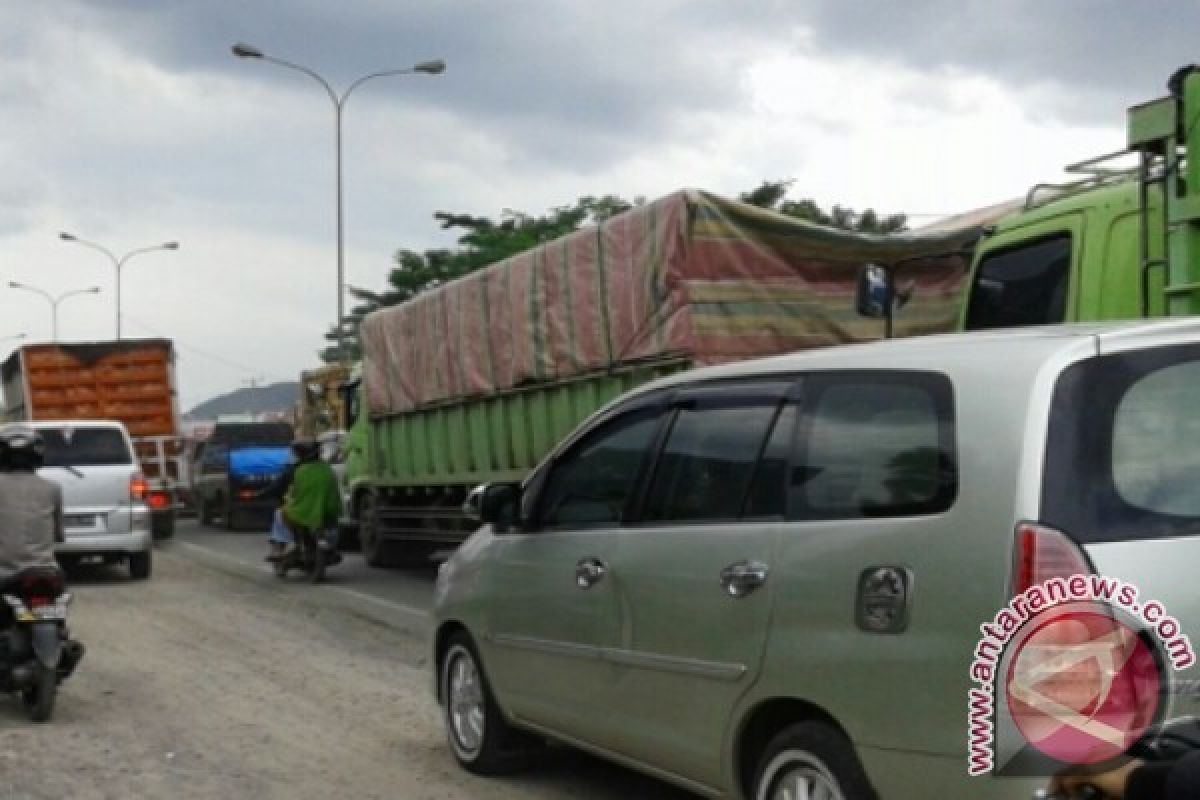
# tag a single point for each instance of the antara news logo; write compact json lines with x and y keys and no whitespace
{"x":1072,"y":672}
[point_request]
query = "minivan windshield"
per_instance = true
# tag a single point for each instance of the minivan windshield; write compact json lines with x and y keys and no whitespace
{"x":1123,"y":456}
{"x":85,"y":447}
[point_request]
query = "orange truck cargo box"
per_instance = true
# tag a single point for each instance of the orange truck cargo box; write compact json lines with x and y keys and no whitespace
{"x":131,"y":381}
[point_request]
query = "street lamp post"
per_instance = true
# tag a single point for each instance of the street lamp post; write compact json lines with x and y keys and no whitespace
{"x":118,"y":263}
{"x":53,"y":301}
{"x":437,"y":67}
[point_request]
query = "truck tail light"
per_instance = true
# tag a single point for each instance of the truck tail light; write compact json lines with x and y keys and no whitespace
{"x":1041,"y":553}
{"x":158,"y":500}
{"x":138,"y":488}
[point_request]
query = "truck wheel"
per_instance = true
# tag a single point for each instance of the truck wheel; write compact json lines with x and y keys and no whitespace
{"x":163,"y":525}
{"x":228,"y":515}
{"x":140,"y":565}
{"x":376,"y":552}
{"x":206,"y":514}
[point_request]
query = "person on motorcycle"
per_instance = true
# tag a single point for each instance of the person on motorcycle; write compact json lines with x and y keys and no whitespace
{"x":314,"y":501}
{"x":31,"y":507}
{"x":1137,"y":780}
{"x":280,"y":537}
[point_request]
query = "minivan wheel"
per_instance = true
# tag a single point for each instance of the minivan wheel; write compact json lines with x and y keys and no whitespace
{"x":810,"y":760}
{"x":481,"y":739}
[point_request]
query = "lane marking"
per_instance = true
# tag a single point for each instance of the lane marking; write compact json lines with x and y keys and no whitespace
{"x":413,"y":611}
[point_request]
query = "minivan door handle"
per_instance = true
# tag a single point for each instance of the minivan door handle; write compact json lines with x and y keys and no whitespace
{"x":589,"y":572}
{"x":744,"y":577}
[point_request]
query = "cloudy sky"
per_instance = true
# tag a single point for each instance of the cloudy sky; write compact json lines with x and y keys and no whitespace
{"x":129,"y":123}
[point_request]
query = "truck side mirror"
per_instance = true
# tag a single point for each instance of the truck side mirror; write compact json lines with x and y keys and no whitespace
{"x":874,"y":295}
{"x":494,"y":504}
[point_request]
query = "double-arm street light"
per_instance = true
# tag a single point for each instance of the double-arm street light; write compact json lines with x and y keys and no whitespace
{"x":53,"y":301}
{"x":118,"y":263}
{"x":339,"y":102}
{"x":12,"y":337}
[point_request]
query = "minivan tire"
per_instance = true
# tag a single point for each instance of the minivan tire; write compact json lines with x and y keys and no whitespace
{"x":480,"y":738}
{"x":811,"y":752}
{"x":140,"y":566}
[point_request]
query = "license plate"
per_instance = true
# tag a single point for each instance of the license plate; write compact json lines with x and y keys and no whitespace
{"x":56,"y":611}
{"x":79,"y":520}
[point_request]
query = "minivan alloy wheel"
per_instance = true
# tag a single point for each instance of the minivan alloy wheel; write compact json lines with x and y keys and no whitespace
{"x":810,"y":760}
{"x":796,"y":775}
{"x":466,"y":710}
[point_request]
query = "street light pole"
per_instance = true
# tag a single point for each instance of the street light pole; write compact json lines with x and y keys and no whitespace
{"x":436,"y":67}
{"x":118,"y":263}
{"x":53,"y":301}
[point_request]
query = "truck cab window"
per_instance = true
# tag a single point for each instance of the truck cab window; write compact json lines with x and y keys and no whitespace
{"x":1023,"y":285}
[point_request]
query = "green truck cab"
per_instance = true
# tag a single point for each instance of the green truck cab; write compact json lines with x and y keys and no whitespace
{"x":1120,"y":242}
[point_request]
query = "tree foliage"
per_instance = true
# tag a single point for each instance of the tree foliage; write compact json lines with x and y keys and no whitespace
{"x":773,"y":195}
{"x":482,"y":241}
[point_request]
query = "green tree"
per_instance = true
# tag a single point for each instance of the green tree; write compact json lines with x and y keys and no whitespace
{"x":773,"y":195}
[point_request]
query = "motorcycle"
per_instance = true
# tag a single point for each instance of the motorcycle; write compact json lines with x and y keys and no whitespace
{"x":313,"y":553}
{"x":36,"y":650}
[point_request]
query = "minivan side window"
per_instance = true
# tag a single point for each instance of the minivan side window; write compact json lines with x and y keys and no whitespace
{"x":875,"y":445}
{"x":708,"y":462}
{"x":1022,"y":285}
{"x":590,"y":485}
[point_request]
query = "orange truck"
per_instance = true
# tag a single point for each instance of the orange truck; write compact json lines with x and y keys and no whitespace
{"x":131,"y":381}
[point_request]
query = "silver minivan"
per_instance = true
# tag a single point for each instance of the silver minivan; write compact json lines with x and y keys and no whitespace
{"x":771,"y":580}
{"x":104,"y":510}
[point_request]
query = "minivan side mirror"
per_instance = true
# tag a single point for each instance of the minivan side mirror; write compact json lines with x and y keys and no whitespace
{"x":494,"y":504}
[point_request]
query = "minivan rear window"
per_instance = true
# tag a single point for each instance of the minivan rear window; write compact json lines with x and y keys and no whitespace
{"x":85,"y":447}
{"x":1123,"y":452}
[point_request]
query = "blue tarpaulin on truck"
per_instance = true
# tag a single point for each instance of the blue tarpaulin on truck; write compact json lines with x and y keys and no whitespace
{"x":259,"y":460}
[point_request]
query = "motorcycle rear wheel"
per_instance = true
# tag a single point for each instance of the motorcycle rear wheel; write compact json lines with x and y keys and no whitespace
{"x":39,"y":698}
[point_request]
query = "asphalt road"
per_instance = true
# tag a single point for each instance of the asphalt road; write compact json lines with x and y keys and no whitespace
{"x":398,"y":598}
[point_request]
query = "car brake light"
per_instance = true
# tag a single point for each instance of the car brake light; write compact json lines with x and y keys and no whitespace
{"x":138,"y":487}
{"x":1041,"y":553}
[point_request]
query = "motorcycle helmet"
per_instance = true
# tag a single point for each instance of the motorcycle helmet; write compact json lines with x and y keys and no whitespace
{"x":21,"y":448}
{"x":305,"y":449}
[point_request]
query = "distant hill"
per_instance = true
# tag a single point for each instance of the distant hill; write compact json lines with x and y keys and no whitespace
{"x":256,"y":400}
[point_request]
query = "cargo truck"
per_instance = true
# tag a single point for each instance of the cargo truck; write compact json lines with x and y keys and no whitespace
{"x":475,"y":381}
{"x":131,"y":381}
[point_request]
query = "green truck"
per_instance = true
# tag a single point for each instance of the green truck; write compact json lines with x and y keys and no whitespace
{"x":477,"y":380}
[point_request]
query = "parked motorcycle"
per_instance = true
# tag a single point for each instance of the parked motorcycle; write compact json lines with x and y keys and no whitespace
{"x":313,"y":553}
{"x":36,"y":651}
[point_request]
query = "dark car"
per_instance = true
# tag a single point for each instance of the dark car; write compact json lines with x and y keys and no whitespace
{"x":233,"y":468}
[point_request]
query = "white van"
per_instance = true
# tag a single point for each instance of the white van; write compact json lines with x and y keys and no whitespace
{"x":104,"y":510}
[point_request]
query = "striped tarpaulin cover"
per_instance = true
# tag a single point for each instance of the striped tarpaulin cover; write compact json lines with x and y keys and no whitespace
{"x":690,"y":275}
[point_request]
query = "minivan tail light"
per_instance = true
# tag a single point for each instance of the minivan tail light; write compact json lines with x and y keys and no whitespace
{"x":138,"y":488}
{"x":1042,"y":553}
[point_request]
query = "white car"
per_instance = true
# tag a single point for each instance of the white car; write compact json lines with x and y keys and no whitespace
{"x":104,"y":510}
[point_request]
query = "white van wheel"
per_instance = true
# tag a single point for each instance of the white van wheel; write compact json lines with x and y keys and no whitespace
{"x":810,"y":761}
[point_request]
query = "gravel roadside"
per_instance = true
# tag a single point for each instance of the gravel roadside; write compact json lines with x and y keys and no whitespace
{"x":201,"y":684}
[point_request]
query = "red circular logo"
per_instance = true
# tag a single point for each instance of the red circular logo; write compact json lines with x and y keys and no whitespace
{"x":1083,"y":686}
